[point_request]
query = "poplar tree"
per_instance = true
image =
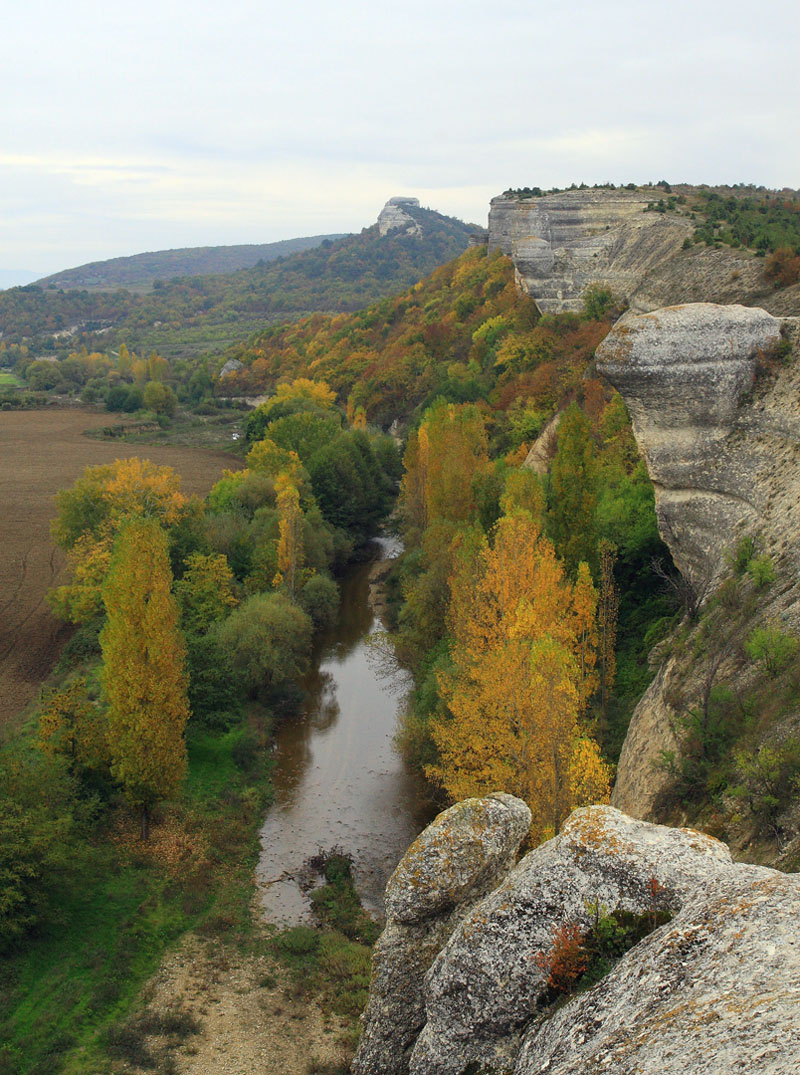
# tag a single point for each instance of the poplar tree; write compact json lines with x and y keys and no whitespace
{"x":573,"y":491}
{"x":521,"y":662}
{"x":143,"y":673}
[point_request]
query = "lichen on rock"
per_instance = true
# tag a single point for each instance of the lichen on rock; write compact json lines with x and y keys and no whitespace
{"x":710,"y":990}
{"x":456,"y":860}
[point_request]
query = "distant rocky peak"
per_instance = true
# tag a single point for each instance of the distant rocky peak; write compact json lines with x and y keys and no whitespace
{"x":393,"y":217}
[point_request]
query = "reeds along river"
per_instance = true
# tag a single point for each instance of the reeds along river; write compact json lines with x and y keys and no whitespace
{"x":338,"y":780}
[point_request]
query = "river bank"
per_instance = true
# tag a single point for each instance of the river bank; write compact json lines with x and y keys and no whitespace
{"x":245,"y":1010}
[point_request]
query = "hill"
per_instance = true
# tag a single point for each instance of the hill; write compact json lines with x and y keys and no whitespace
{"x":140,"y":271}
{"x":196,"y":315}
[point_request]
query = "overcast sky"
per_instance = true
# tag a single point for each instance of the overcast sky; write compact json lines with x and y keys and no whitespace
{"x":167,"y":124}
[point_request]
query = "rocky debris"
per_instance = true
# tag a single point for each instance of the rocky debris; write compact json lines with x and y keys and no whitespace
{"x":483,"y":988}
{"x":716,"y":990}
{"x":462,"y":855}
{"x":562,"y":243}
{"x":682,"y":372}
{"x":713,"y":990}
{"x":393,"y":217}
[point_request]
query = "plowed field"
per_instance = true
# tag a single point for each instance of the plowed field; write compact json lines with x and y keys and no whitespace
{"x":40,"y":453}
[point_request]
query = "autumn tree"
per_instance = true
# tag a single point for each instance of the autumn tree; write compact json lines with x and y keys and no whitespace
{"x":143,"y":675}
{"x":91,"y":513}
{"x":290,"y":526}
{"x":514,"y":688}
{"x":442,"y":460}
{"x":74,"y":727}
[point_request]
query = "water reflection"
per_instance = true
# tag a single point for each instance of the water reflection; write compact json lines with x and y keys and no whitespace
{"x":338,"y":780}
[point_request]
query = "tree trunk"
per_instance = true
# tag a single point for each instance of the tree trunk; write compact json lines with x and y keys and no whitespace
{"x":145,"y":833}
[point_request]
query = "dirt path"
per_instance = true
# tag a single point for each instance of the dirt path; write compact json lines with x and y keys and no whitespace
{"x":251,"y":1018}
{"x":41,"y":452}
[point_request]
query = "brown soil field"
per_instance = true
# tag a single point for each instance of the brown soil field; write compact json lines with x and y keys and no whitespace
{"x":41,"y":452}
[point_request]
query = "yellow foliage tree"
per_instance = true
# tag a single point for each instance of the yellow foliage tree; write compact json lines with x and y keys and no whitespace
{"x":143,"y":673}
{"x":290,"y":528}
{"x":514,"y":689}
{"x":73,"y":726}
{"x":90,"y":515}
{"x":205,"y":593}
{"x":449,"y":450}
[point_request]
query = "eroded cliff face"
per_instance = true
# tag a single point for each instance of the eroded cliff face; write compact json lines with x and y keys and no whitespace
{"x":718,"y":424}
{"x":714,"y":989}
{"x":562,"y":243}
{"x":393,"y":217}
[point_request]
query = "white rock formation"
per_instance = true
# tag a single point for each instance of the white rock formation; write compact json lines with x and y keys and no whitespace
{"x":562,"y":243}
{"x":393,"y":217}
{"x":715,"y":990}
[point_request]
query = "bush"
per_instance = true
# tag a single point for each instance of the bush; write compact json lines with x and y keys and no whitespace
{"x":267,"y":639}
{"x":320,"y":599}
{"x":772,"y":647}
{"x":761,"y":571}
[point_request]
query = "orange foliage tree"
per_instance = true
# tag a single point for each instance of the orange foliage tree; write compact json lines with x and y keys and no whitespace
{"x":515,"y":687}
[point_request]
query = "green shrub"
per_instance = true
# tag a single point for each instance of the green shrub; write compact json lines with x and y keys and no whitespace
{"x":761,"y":571}
{"x":773,"y":648}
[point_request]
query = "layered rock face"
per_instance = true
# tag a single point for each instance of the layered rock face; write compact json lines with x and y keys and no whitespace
{"x":682,"y":372}
{"x":393,"y":217}
{"x":710,"y":991}
{"x":562,"y":243}
{"x":723,"y":452}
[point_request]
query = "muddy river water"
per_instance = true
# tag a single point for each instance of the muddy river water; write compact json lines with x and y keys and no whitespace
{"x":338,"y":780}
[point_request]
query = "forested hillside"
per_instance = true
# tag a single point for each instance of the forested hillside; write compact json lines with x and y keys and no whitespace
{"x":201,"y":315}
{"x":139,"y":272}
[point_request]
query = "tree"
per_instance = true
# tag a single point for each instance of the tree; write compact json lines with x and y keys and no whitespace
{"x":90,"y":515}
{"x":290,"y":526}
{"x":514,"y":686}
{"x":573,"y":491}
{"x":205,"y":593}
{"x":143,"y":674}
{"x":267,"y":639}
{"x":441,"y":462}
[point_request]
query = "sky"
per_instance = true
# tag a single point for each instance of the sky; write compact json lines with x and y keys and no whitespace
{"x":167,"y":124}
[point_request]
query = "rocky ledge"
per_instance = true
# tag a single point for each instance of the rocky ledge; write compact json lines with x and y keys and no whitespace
{"x":714,"y":989}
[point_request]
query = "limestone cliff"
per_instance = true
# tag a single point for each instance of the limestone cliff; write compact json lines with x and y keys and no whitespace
{"x":393,"y":217}
{"x":713,"y":989}
{"x":562,"y":243}
{"x":718,"y":424}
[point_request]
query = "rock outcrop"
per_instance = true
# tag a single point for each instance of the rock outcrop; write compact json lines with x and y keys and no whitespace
{"x":393,"y":217}
{"x":562,"y":243}
{"x":676,"y":1002}
{"x":719,"y":427}
{"x":462,"y":855}
{"x":713,"y":990}
{"x":682,"y":372}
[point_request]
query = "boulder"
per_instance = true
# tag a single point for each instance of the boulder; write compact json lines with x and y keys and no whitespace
{"x":714,"y":992}
{"x":463,"y":854}
{"x":483,"y":987}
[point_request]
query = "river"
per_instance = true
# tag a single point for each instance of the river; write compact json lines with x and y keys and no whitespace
{"x":338,"y":780}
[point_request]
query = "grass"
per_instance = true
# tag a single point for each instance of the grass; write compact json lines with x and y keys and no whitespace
{"x":334,"y":960}
{"x":68,"y":995}
{"x":8,"y":378}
